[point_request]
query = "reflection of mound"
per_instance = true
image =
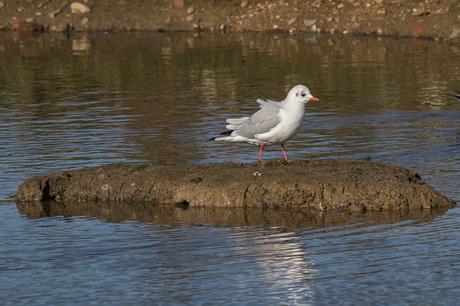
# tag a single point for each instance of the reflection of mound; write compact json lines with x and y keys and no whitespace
{"x":117,"y":212}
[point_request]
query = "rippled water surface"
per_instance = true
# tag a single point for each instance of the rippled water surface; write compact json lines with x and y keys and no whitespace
{"x":87,"y":100}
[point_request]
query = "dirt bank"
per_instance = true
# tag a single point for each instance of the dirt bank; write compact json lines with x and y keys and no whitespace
{"x":351,"y":185}
{"x":429,"y":18}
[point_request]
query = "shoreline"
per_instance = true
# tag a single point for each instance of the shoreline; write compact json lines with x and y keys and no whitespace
{"x":401,"y":19}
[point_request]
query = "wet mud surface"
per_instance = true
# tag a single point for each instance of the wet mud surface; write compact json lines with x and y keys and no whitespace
{"x":337,"y":184}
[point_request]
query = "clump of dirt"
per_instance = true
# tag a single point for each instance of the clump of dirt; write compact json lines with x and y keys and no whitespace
{"x":434,"y":19}
{"x":339,"y":184}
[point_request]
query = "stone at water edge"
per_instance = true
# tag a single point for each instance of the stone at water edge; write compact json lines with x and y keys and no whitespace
{"x":354,"y":185}
{"x":79,"y":8}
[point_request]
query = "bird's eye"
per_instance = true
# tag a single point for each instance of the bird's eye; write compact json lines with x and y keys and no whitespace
{"x":302,"y":94}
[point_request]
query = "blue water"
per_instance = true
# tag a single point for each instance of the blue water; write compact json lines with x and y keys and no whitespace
{"x":67,"y":103}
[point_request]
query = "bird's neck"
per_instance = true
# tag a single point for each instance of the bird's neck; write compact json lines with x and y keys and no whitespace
{"x":294,"y":106}
{"x":295,"y":111}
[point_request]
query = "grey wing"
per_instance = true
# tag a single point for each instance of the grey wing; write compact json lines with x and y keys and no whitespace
{"x":261,"y":122}
{"x":263,"y":103}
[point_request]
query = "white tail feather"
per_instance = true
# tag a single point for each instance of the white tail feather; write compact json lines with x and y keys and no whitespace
{"x":238,"y":121}
{"x":225,"y":138}
{"x":232,"y":127}
{"x":234,"y":138}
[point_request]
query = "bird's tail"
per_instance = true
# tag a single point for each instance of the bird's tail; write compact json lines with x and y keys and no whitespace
{"x":225,"y":138}
{"x":233,"y":125}
{"x":226,"y":133}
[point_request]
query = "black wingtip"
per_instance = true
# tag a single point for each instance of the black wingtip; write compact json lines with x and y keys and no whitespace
{"x":226,"y":133}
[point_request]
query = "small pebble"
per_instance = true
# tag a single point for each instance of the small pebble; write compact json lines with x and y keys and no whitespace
{"x":292,"y":21}
{"x":455,"y":33}
{"x":79,"y":8}
{"x":309,"y":22}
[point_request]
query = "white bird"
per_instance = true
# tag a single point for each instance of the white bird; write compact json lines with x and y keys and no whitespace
{"x":274,"y":122}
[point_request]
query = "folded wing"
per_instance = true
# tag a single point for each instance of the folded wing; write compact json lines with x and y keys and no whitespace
{"x":261,"y":122}
{"x":244,"y":129}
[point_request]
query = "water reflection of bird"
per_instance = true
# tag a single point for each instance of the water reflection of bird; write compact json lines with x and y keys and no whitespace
{"x":275,"y":122}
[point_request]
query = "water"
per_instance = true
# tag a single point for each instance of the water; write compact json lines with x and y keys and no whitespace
{"x":88,"y":100}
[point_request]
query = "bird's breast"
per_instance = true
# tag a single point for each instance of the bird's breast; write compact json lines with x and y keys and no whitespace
{"x":291,"y":120}
{"x":289,"y":123}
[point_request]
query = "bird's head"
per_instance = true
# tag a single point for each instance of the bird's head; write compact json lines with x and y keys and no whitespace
{"x":301,"y":94}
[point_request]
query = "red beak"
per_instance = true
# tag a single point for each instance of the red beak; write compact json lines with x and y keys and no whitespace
{"x":314,"y":99}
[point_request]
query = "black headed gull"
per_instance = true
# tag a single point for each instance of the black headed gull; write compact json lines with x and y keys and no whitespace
{"x":274,"y":122}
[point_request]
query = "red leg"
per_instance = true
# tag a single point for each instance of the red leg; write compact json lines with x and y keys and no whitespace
{"x":284,"y":152}
{"x":261,"y":147}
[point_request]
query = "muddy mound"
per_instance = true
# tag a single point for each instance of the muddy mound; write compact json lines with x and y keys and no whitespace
{"x":353,"y":185}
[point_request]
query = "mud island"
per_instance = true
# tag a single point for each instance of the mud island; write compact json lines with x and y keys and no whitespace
{"x":335,"y":184}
